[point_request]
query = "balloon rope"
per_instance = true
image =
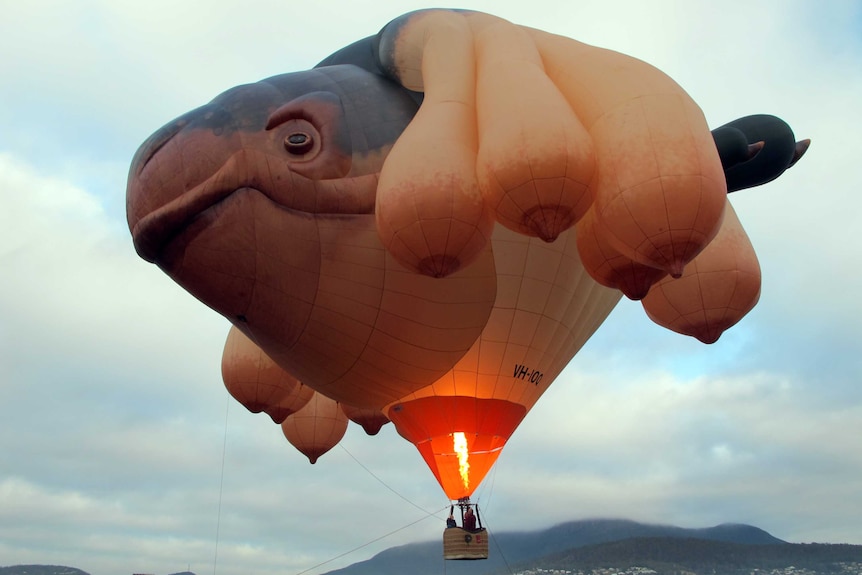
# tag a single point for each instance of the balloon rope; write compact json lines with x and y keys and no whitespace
{"x":497,"y":546}
{"x":383,"y":483}
{"x":490,"y":484}
{"x":491,"y":533}
{"x":427,"y":515}
{"x":384,"y":536}
{"x":221,"y":485}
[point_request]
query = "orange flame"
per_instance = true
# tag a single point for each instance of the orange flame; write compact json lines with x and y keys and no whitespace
{"x":459,"y":442}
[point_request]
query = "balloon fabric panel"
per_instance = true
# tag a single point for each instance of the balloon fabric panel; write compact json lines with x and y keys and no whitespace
{"x":290,"y":403}
{"x":545,"y":310}
{"x":316,"y":428}
{"x":718,"y":288}
{"x":257,"y":382}
{"x":429,"y":209}
{"x":609,"y":267}
{"x":371,"y":420}
{"x":483,"y":424}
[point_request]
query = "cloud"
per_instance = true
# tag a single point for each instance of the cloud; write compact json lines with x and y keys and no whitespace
{"x":111,"y":383}
{"x":659,"y":444}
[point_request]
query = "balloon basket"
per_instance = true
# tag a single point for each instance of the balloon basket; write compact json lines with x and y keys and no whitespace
{"x":469,"y":541}
{"x":459,"y":543}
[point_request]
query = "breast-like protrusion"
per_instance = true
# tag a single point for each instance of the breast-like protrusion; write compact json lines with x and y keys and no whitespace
{"x":718,"y":288}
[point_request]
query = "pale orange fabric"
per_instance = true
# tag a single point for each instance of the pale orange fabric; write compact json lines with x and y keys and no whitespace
{"x":430,"y":213}
{"x":536,"y":160}
{"x":257,"y":382}
{"x":560,"y":124}
{"x":609,"y":267}
{"x":316,"y":428}
{"x":718,"y":288}
{"x":546,"y":308}
{"x":371,"y":420}
{"x":564,"y":131}
{"x":290,"y":403}
{"x":660,"y":188}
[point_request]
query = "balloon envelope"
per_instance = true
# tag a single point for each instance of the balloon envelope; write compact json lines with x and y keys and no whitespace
{"x":290,"y":403}
{"x":609,"y":267}
{"x":371,"y":420}
{"x":316,"y":428}
{"x":256,"y":381}
{"x":547,"y":307}
{"x":426,"y":260}
{"x":718,"y":288}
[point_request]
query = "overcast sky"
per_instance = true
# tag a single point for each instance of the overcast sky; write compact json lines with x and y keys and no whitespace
{"x":114,"y":423}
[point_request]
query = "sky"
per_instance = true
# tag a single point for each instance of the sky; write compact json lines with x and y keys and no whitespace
{"x":121,"y":451}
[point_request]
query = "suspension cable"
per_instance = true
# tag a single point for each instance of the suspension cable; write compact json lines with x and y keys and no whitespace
{"x":221,"y":485}
{"x":383,"y":483}
{"x":499,"y":549}
{"x":384,"y":536}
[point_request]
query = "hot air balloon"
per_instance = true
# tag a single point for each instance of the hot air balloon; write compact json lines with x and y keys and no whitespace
{"x":257,"y":382}
{"x":547,"y":307}
{"x":316,"y":428}
{"x":433,"y":221}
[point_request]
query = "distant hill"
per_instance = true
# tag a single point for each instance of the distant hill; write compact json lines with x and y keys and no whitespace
{"x":41,"y":570}
{"x":671,"y":556}
{"x":592,"y":547}
{"x":52,"y":570}
{"x":521,"y":548}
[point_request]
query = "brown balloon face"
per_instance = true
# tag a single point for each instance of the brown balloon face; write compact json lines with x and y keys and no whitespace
{"x":222,"y":182}
{"x":299,"y":154}
{"x":221,"y":200}
{"x":262,"y":206}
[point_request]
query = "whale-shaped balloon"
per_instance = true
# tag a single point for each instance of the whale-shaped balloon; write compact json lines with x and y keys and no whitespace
{"x":400,"y":229}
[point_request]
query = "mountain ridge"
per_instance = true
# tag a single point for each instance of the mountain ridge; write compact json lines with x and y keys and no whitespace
{"x":590,"y":546}
{"x":662,"y":556}
{"x":37,"y":569}
{"x":518,"y":547}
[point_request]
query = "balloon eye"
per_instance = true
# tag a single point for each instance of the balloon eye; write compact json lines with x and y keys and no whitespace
{"x":298,"y":143}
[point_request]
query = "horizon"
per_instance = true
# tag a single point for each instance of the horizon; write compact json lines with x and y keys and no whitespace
{"x":586,"y":521}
